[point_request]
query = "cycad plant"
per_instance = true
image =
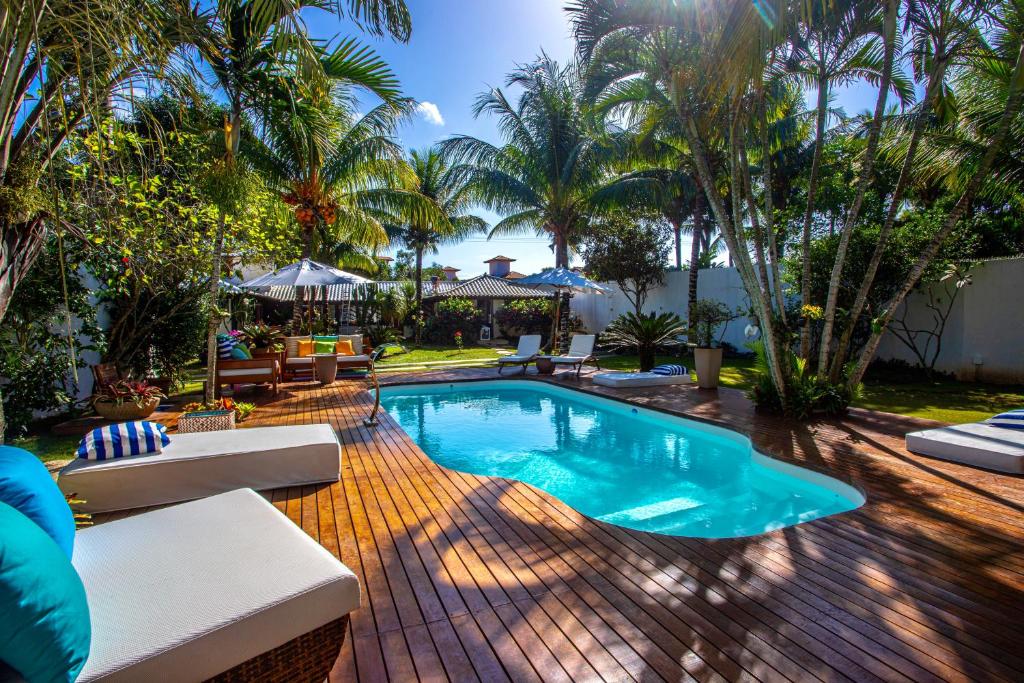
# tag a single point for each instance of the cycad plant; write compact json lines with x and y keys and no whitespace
{"x":646,"y":333}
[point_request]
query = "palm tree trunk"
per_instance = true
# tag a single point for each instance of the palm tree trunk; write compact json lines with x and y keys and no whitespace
{"x":1010,"y":112}
{"x":299,"y":294}
{"x":698,"y":232}
{"x":860,"y":301}
{"x":769,"y":212}
{"x":866,"y":174}
{"x":812,"y":189}
{"x":418,"y":275}
{"x":677,"y":230}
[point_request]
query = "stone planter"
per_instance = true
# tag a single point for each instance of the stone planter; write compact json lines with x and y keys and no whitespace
{"x":708,"y":364}
{"x":126,"y":411}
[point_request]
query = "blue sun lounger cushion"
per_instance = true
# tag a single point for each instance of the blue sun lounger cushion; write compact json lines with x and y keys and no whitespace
{"x":123,"y":440}
{"x":1013,"y":419}
{"x":27,"y":486}
{"x":670,"y":370}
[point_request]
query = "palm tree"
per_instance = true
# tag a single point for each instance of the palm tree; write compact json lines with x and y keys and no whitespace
{"x":434,"y":180}
{"x":248,"y":45}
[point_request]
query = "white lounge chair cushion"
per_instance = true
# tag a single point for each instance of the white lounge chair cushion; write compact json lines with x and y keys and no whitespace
{"x":240,"y":372}
{"x":206,"y":463}
{"x":637,"y":379}
{"x":974,"y":443}
{"x":515,"y":359}
{"x":581,"y":345}
{"x":572,"y":360}
{"x":184,"y":593}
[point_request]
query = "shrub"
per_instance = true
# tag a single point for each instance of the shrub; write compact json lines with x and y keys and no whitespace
{"x":451,"y":315}
{"x":809,"y":395}
{"x":705,"y":319}
{"x":525,"y":316}
{"x":126,"y":390}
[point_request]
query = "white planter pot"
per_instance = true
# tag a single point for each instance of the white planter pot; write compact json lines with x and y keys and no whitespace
{"x":708,"y":364}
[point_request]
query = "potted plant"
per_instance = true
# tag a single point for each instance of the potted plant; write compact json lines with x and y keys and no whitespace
{"x":645,"y":333}
{"x":126,"y":400}
{"x":262,"y":338}
{"x":707,"y":316}
{"x":222,"y":414}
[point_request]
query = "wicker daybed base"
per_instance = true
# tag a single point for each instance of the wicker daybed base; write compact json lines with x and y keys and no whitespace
{"x":310,"y":657}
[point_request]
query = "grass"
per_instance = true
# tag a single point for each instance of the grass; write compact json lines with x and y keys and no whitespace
{"x":435,"y":354}
{"x":943,"y":400}
{"x":49,"y":447}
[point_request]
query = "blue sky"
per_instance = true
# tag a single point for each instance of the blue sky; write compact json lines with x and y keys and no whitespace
{"x":460,"y":48}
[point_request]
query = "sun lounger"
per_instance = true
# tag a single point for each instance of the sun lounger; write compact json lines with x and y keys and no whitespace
{"x":206,"y":463}
{"x":975,"y":443}
{"x":626,"y":380}
{"x":526,"y":353}
{"x":581,"y":350}
{"x":224,"y":587}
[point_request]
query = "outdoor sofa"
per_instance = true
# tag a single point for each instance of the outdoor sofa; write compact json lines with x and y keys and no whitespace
{"x":294,"y":365}
{"x":206,"y":463}
{"x":262,"y":370}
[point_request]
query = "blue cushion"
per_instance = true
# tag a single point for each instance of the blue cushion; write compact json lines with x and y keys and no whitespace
{"x":1013,"y":419}
{"x":670,"y":370}
{"x":123,"y":440}
{"x":239,"y":352}
{"x":26,"y":486}
{"x":45,"y":631}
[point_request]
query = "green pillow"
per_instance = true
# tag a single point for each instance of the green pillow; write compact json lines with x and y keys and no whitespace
{"x":242,"y":349}
{"x":45,"y":631}
{"x":329,"y":338}
{"x":323,"y":346}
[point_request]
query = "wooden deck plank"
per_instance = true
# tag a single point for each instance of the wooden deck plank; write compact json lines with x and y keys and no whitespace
{"x":473,"y":578}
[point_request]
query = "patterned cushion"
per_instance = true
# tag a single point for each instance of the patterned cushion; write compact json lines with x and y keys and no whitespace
{"x":225,"y":343}
{"x":670,"y":370}
{"x":1013,"y":419}
{"x":123,"y":440}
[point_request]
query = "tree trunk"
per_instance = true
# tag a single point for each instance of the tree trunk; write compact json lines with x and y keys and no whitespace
{"x":698,"y":231}
{"x":812,"y":189}
{"x":866,"y":174}
{"x":213,"y":322}
{"x":418,"y":276}
{"x":769,"y":212}
{"x":1010,"y":111}
{"x":860,"y":301}
{"x":299,"y":293}
{"x":561,"y":250}
{"x":677,"y":232}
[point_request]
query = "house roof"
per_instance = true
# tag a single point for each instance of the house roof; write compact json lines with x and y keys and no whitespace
{"x":480,"y":287}
{"x":450,"y":268}
{"x":499,"y":258}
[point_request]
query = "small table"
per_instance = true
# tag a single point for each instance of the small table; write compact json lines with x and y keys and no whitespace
{"x":545,"y":366}
{"x":325,"y":367}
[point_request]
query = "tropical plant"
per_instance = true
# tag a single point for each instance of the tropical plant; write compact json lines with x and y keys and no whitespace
{"x":241,"y":409}
{"x":261,"y":335}
{"x":127,"y":391}
{"x":646,"y":334}
{"x":453,"y":315}
{"x":525,"y":316}
{"x":706,"y":317}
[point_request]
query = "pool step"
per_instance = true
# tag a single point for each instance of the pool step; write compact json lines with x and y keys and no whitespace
{"x":644,"y":513}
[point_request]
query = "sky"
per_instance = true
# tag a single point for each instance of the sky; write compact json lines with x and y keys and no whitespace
{"x":460,"y":48}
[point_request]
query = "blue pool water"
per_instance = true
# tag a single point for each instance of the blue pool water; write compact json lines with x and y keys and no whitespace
{"x":624,"y":465}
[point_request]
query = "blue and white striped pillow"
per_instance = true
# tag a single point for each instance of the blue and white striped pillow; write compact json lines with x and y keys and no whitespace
{"x":225,"y":343}
{"x":1013,"y":419}
{"x":670,"y":370}
{"x":123,"y":440}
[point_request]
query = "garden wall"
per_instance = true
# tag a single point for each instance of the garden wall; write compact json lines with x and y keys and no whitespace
{"x":597,"y":310}
{"x":984,"y":335}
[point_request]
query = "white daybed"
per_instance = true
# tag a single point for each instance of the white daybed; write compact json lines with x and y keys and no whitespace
{"x":975,"y":443}
{"x":227,"y":584}
{"x":626,"y":380}
{"x":202,"y":464}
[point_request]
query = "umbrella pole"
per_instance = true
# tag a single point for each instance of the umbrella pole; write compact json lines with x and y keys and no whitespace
{"x":554,"y":323}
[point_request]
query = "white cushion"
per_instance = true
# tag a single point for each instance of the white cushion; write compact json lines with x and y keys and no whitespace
{"x":202,"y":464}
{"x":974,"y":443}
{"x":515,"y":359}
{"x":291,"y":345}
{"x":573,"y":360}
{"x":187,"y":592}
{"x":361,"y":358}
{"x":238,"y":372}
{"x":637,"y":379}
{"x":302,"y":361}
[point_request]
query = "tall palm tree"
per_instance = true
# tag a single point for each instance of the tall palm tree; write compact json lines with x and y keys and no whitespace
{"x":433,"y":179}
{"x":249,"y":45}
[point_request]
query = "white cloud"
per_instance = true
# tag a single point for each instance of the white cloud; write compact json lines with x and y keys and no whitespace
{"x":430,"y":113}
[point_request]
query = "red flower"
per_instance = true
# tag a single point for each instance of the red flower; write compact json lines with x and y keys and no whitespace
{"x":125,"y":259}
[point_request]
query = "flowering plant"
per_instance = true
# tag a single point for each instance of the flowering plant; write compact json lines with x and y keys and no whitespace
{"x":242,"y":410}
{"x":458,"y":340}
{"x":123,"y":390}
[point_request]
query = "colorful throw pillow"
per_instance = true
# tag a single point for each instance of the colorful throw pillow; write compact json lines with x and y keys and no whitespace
{"x":27,"y":486}
{"x":323,"y":346}
{"x":305,"y":347}
{"x":45,"y":631}
{"x":123,"y":440}
{"x":670,"y":370}
{"x":240,"y":353}
{"x":344,"y":347}
{"x":225,"y":343}
{"x":1013,"y":419}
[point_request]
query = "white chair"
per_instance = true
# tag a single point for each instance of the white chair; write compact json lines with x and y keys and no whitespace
{"x":581,"y":350}
{"x":526,"y":353}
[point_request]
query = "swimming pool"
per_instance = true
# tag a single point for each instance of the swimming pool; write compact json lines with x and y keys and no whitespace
{"x":629,"y":466}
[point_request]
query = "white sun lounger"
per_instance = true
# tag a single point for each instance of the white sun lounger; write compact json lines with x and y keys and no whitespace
{"x":223,"y":584}
{"x":202,"y":464}
{"x":975,"y":443}
{"x":529,"y":346}
{"x":625,"y":380}
{"x":581,"y":350}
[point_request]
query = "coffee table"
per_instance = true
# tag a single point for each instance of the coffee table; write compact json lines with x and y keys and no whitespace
{"x":325,"y":367}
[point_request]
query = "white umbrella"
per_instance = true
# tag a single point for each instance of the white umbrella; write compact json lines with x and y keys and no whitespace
{"x":560,"y":280}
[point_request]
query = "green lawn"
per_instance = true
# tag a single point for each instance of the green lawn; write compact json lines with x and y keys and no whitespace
{"x":49,"y":447}
{"x":435,"y":354}
{"x":941,"y":399}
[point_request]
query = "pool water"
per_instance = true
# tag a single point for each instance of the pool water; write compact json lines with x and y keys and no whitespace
{"x":620,"y":464}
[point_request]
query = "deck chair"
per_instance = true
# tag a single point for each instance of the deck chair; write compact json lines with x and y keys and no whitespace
{"x":526,"y":353}
{"x":581,"y":350}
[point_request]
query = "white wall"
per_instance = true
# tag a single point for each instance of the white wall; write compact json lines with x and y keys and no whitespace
{"x":986,"y":325}
{"x":723,"y":284}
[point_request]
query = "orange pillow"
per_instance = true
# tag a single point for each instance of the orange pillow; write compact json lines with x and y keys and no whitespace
{"x":305,"y":347}
{"x":344,"y":348}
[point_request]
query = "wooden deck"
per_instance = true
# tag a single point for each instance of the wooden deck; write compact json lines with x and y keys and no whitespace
{"x":475,"y":578}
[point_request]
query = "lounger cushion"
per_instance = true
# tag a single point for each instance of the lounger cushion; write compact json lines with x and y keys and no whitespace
{"x":27,"y":486}
{"x":516,"y":359}
{"x":637,"y":379}
{"x":571,"y":360}
{"x":245,"y":372}
{"x":206,"y":463}
{"x":975,"y":443}
{"x":306,"y":361}
{"x":184,"y":593}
